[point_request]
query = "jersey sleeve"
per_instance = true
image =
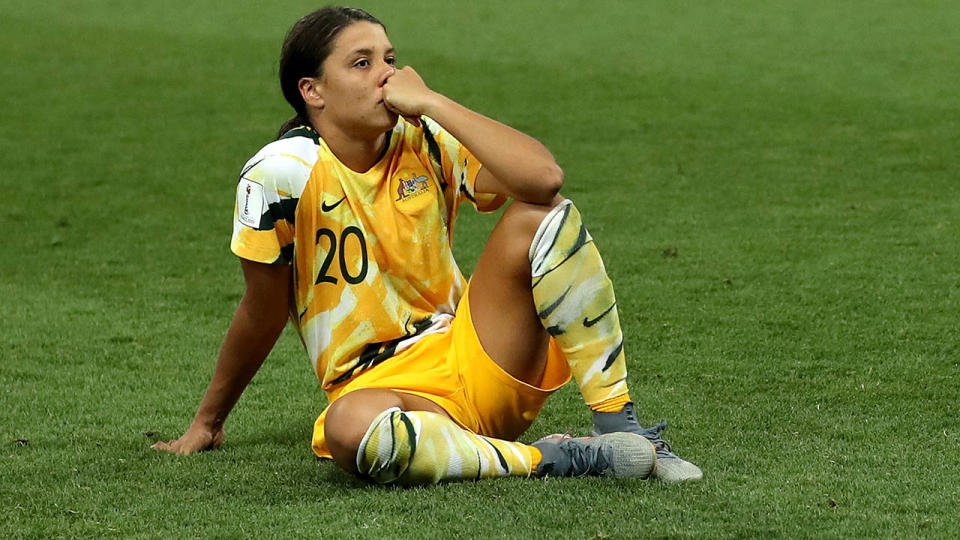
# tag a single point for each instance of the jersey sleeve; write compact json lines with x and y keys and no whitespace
{"x":264,"y":213}
{"x":459,"y":168}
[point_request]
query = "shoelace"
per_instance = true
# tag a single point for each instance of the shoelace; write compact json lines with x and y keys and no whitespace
{"x":585,"y":459}
{"x":653,"y":435}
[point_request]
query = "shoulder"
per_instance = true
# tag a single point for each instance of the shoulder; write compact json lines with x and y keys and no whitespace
{"x":422,"y":139}
{"x":437,"y":138}
{"x":286,"y":161}
{"x":430,"y":125}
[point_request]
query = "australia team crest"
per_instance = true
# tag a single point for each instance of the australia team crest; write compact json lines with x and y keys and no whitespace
{"x":412,"y":191}
{"x":415,"y":186}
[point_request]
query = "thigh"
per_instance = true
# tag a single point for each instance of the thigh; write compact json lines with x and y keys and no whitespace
{"x":499,"y":405}
{"x":502,"y":305}
{"x":421,"y":377}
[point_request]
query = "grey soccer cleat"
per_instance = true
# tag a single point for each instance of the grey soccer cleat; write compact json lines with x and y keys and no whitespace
{"x":670,"y":468}
{"x":620,"y":455}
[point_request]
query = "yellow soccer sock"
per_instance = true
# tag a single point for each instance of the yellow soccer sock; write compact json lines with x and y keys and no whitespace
{"x":415,"y":448}
{"x":611,"y":405}
{"x":575,"y":301}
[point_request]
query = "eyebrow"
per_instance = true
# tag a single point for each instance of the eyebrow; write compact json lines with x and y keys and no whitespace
{"x":369,"y":52}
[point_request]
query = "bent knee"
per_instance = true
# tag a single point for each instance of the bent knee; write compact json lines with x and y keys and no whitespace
{"x":521,"y":220}
{"x":528,"y":216}
{"x":517,"y":229}
{"x":348,"y":419}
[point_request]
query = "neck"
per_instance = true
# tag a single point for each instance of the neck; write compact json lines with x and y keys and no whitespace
{"x":359,"y":154}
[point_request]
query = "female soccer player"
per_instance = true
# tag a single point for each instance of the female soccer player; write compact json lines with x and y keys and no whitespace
{"x":344,"y":226}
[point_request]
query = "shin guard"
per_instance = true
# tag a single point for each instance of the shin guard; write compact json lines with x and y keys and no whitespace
{"x":422,"y":448}
{"x":575,"y":302}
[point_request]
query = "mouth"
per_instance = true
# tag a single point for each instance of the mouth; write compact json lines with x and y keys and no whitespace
{"x":382,"y":104}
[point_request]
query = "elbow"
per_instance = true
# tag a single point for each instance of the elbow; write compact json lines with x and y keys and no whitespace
{"x":555,"y":178}
{"x":539,"y":185}
{"x":551,"y":180}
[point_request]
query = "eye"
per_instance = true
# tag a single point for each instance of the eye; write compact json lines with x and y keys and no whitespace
{"x":362,"y":63}
{"x":391,"y":60}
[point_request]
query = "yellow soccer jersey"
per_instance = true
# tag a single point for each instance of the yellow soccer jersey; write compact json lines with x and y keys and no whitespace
{"x":373,"y":266}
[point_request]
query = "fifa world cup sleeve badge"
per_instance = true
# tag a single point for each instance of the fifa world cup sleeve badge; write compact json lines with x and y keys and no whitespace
{"x":249,"y":203}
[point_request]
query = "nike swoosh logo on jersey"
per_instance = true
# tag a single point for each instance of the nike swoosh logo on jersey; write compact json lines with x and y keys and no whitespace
{"x":325,"y":208}
{"x":590,"y":322}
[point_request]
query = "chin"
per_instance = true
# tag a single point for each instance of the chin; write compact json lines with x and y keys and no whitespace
{"x":392,"y":119}
{"x":375,"y":126}
{"x":379,"y":128}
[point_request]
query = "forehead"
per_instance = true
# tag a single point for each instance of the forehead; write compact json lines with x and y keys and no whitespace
{"x":361,"y":35}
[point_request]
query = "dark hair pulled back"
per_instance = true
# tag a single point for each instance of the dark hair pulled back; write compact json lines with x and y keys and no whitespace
{"x":307,"y":45}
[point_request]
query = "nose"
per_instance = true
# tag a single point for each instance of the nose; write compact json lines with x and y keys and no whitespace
{"x":387,"y":73}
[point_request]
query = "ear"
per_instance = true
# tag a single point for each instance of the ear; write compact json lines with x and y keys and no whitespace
{"x":311,"y":91}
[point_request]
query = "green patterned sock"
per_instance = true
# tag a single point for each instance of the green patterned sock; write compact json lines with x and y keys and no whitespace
{"x":574,"y":299}
{"x":415,"y":448}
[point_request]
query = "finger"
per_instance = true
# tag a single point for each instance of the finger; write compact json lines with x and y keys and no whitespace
{"x":390,"y":107}
{"x":415,"y":120}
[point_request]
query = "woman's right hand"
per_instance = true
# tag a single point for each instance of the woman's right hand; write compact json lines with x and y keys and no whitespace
{"x":405,"y":93}
{"x":196,"y":439}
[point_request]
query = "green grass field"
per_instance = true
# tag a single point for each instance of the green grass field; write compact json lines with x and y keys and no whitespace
{"x":774,"y":187}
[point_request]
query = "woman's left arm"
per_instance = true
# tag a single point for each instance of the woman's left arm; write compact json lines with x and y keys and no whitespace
{"x":514,"y":164}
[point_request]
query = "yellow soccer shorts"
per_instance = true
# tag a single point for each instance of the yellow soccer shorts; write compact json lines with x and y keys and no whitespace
{"x":452,"y":370}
